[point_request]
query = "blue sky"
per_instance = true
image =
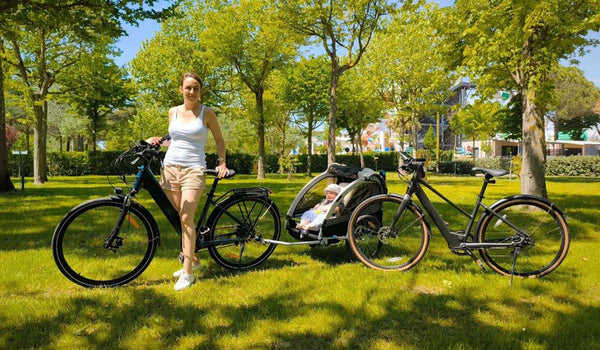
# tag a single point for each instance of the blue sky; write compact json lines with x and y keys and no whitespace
{"x":131,"y":44}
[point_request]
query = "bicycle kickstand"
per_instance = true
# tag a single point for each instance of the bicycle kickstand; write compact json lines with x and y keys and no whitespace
{"x":516,"y":253}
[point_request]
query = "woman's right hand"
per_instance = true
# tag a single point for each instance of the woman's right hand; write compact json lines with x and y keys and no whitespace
{"x":154,"y":140}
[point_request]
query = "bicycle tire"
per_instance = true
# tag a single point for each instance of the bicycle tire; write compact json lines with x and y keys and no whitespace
{"x":379,"y":248}
{"x":260,"y":218}
{"x":548,"y":241}
{"x":78,"y":243}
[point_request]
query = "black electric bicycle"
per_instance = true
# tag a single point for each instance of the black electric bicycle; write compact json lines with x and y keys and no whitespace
{"x":521,"y":235}
{"x":109,"y":242}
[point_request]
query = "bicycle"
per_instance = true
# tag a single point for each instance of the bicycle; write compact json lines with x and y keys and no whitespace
{"x":109,"y":242}
{"x":520,"y":235}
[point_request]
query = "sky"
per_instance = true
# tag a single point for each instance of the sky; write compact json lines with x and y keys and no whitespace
{"x":131,"y":44}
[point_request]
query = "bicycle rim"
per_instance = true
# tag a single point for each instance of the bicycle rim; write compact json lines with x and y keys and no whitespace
{"x":79,"y":245}
{"x":547,"y":238}
{"x":254,"y":217}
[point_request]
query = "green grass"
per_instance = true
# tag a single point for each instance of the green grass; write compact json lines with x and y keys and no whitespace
{"x":301,"y":297}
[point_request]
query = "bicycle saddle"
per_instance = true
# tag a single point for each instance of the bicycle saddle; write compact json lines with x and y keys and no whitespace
{"x":490,"y":172}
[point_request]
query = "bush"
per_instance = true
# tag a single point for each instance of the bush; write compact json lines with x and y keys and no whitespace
{"x":459,"y":167}
{"x":101,"y":163}
{"x":573,"y":166}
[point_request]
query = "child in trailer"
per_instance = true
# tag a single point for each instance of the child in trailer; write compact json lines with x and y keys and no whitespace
{"x":312,"y":219}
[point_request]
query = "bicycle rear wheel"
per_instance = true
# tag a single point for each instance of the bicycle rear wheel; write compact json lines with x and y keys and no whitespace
{"x":377,"y":244}
{"x":78,"y":244}
{"x":242,"y":220}
{"x":546,"y":239}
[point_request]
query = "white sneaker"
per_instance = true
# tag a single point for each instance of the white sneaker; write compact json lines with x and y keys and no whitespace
{"x":194,"y":268}
{"x":184,"y":281}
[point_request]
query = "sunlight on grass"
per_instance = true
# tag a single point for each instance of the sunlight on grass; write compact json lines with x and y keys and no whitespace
{"x":301,"y":297}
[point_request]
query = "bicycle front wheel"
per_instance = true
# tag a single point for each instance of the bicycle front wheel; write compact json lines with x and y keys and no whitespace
{"x":545,"y":237}
{"x":78,"y":244}
{"x":379,"y":245}
{"x":239,"y":224}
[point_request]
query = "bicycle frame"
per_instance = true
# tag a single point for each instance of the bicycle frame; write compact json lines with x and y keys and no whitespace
{"x":456,"y":240}
{"x":145,"y":179}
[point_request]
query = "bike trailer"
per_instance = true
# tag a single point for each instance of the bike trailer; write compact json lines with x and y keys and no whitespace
{"x":357,"y":185}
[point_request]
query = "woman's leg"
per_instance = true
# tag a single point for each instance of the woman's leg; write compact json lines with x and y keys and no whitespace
{"x":188,"y":204}
{"x":175,"y":198}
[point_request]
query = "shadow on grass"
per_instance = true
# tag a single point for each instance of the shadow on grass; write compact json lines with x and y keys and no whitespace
{"x":427,"y":319}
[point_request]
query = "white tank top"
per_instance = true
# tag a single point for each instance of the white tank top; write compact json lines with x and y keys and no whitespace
{"x":188,"y":140}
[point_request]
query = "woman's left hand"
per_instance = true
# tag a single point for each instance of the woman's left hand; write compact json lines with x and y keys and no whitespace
{"x":222,"y":169}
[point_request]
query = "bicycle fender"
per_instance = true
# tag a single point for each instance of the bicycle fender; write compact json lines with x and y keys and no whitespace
{"x":517,"y":196}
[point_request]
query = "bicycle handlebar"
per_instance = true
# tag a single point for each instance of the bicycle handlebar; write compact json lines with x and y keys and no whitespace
{"x":412,"y":164}
{"x":213,"y":172}
{"x":148,"y":151}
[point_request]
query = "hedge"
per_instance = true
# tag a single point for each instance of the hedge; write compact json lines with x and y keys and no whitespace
{"x":101,"y":163}
{"x":573,"y":166}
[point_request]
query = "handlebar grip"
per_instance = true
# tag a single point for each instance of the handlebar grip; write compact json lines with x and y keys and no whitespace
{"x":213,"y":172}
{"x":167,"y":137}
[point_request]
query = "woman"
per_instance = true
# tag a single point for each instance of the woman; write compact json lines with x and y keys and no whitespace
{"x":183,"y":177}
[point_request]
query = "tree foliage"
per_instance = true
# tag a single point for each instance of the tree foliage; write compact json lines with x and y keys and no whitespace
{"x":476,"y":121}
{"x":408,"y":63}
{"x":573,"y":100}
{"x":513,"y":45}
{"x":306,"y":87}
{"x":46,"y":39}
{"x":251,"y":37}
{"x":344,"y":29}
{"x":358,"y":106}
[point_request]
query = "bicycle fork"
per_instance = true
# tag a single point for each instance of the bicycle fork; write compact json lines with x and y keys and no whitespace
{"x":113,"y":241}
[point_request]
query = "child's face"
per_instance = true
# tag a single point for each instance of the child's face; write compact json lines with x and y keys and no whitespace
{"x":329,"y":195}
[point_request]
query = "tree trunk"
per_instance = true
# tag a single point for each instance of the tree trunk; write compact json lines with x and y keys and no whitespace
{"x":415,"y":135}
{"x":284,"y":129}
{"x":5,"y":184}
{"x":335,"y":77}
{"x":473,"y":150}
{"x":402,"y":131}
{"x":555,"y":128}
{"x":360,"y":151}
{"x":40,"y":173}
{"x":261,"y":135}
{"x":68,"y":144}
{"x":60,"y":143}
{"x":309,"y":156}
{"x":533,"y":170}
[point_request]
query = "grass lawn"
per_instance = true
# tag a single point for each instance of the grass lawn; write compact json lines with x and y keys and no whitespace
{"x":302,"y":297}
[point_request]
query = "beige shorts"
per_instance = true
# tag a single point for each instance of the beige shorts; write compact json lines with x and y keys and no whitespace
{"x":178,"y":178}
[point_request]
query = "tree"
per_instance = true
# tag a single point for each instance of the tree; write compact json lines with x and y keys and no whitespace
{"x":345,"y":29}
{"x":253,"y":38}
{"x":305,"y":87}
{"x":5,"y":184}
{"x":573,"y":99}
{"x":103,"y":92}
{"x":513,"y":45}
{"x":476,"y":121}
{"x":430,"y":140}
{"x":45,"y":39}
{"x":180,"y":43}
{"x":358,"y":106}
{"x":409,"y":65}
{"x":510,"y":118}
